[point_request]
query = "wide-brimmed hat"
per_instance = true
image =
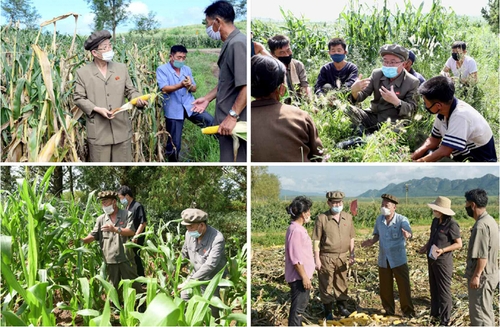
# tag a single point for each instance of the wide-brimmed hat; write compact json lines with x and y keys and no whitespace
{"x":443,"y":205}
{"x":193,"y":216}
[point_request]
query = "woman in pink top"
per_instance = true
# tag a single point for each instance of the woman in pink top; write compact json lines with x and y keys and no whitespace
{"x":299,"y":259}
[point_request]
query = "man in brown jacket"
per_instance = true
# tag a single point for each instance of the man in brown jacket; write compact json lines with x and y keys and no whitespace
{"x":333,"y":237}
{"x":101,"y":86}
{"x":394,"y":91}
{"x":279,"y":132}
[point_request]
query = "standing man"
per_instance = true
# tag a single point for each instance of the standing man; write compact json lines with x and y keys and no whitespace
{"x":231,"y":89}
{"x":112,"y":230}
{"x":393,"y":88}
{"x":482,"y":265}
{"x":333,"y":238}
{"x":392,"y":230}
{"x":176,"y":81}
{"x":101,"y":86}
{"x":409,"y":67}
{"x":296,"y":77}
{"x":139,"y":218}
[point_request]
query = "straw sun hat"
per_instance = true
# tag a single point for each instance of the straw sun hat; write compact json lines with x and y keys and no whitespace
{"x":443,"y":205}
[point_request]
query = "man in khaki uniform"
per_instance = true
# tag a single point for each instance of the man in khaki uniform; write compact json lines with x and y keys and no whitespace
{"x":112,"y":230}
{"x":101,"y":86}
{"x":482,"y":260}
{"x":394,"y":91}
{"x":333,"y":237}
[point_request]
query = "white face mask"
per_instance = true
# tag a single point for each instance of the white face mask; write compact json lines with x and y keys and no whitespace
{"x":307,"y":219}
{"x":108,"y":56}
{"x":108,"y":209}
{"x":212,"y":34}
{"x":385,"y":211}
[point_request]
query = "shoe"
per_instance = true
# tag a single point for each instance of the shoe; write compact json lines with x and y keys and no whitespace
{"x":342,"y":310}
{"x":349,"y":143}
{"x":328,"y":311}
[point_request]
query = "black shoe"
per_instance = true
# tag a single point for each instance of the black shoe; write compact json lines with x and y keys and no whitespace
{"x":342,"y":310}
{"x":349,"y":143}
{"x":327,"y":308}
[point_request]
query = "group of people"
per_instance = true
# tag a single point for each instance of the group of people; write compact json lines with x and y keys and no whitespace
{"x":332,"y":249}
{"x":204,"y":246}
{"x":103,"y":85}
{"x":460,"y":132}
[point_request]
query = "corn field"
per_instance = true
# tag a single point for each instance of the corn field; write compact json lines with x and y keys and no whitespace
{"x":50,"y":278}
{"x":39,"y":121}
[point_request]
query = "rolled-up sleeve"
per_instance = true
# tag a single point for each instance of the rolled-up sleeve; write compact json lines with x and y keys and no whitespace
{"x":213,"y":260}
{"x":480,"y":245}
{"x":96,"y":232}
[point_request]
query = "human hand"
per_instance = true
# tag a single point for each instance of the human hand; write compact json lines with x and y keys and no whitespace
{"x":187,"y":82}
{"x":317,"y":264}
{"x":181,"y":285}
{"x":474,"y":282}
{"x":389,"y":95}
{"x":134,"y":240}
{"x":108,"y":228}
{"x":360,"y":84}
{"x":104,"y":112}
{"x":199,"y":105}
{"x":367,"y":243}
{"x":307,"y":283}
{"x":141,"y":103}
{"x":422,"y":250}
{"x":227,"y":125}
{"x":352,"y":260}
{"x":406,"y":234}
{"x":439,"y":252}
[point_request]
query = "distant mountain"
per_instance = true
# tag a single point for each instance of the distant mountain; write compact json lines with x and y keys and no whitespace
{"x":433,"y":186}
{"x":290,"y":193}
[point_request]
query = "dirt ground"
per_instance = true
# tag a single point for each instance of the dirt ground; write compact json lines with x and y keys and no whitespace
{"x":271,"y":298}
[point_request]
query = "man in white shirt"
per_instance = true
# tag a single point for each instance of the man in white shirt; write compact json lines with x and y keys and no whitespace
{"x":462,"y":66}
{"x":459,"y":130}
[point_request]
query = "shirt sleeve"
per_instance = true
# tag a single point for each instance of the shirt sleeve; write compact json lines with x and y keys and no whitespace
{"x":80,"y":96}
{"x":352,"y":233}
{"x":405,"y":224}
{"x":409,"y":102}
{"x":436,"y":128}
{"x":141,"y":214}
{"x":454,"y":230}
{"x":481,"y":241}
{"x":321,"y":81}
{"x":215,"y":256}
{"x":448,"y":62}
{"x":302,"y":75}
{"x":130,"y":221}
{"x":314,"y":140}
{"x":294,"y":245}
{"x":456,"y":136}
{"x":185,"y":252}
{"x":96,"y":232}
{"x":318,"y":229}
{"x":375,"y":228}
{"x":240,"y":64}
{"x":161,"y":78}
{"x":353,"y":76}
{"x":472,"y":66}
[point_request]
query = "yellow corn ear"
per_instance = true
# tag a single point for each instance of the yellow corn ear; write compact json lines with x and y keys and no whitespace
{"x":210,"y":129}
{"x":142,"y":97}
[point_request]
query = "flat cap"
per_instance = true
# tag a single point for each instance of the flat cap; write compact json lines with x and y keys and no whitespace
{"x":107,"y":195}
{"x":411,"y":56}
{"x":390,"y":197}
{"x":394,"y":49}
{"x":193,"y":216}
{"x":335,"y":195}
{"x":95,"y":38}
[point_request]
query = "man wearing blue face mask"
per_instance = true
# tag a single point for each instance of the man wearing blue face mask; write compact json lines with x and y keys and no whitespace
{"x":177,"y":84}
{"x":333,"y":238}
{"x":339,"y":73}
{"x":394,"y":91}
{"x":231,"y":90}
{"x":203,"y":246}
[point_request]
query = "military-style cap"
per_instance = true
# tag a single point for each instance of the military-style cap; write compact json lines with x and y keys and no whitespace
{"x":411,"y":56}
{"x":95,"y":38}
{"x":335,"y":195}
{"x":107,"y":195}
{"x":394,"y":49}
{"x":193,"y":216}
{"x":390,"y":197}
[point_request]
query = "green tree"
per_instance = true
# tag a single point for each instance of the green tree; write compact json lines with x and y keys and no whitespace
{"x":265,"y":186}
{"x":240,"y":7}
{"x":109,"y":13}
{"x":145,"y":24}
{"x":491,"y":15}
{"x":22,"y":11}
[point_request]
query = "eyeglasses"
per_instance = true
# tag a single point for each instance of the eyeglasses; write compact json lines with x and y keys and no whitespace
{"x":106,"y":46}
{"x":391,"y":63}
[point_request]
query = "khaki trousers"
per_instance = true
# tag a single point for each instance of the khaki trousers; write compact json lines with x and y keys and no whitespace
{"x":333,"y":277}
{"x":124,"y":270}
{"x":402,"y":275}
{"x":121,"y":152}
{"x":481,"y":302}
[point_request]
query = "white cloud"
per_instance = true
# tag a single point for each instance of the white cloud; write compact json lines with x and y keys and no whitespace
{"x":286,"y":182}
{"x":138,"y":8}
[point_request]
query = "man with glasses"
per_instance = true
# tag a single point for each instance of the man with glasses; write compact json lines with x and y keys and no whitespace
{"x":459,"y":130}
{"x":101,"y":86}
{"x":393,"y":89}
{"x":176,"y":81}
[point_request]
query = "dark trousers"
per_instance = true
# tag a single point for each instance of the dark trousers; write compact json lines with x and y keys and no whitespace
{"x":227,"y":151}
{"x":440,"y":283}
{"x":402,"y":275}
{"x":138,"y":261}
{"x":174,"y":128}
{"x":300,"y":299}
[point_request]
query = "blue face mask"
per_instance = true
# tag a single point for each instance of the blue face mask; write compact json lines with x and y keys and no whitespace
{"x":390,"y":72}
{"x":178,"y":63}
{"x":337,"y":57}
{"x":195,"y":234}
{"x":124,"y":201}
{"x":337,"y":209}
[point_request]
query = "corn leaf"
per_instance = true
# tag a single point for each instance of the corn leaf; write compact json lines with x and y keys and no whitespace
{"x":9,"y":318}
{"x":110,"y":290}
{"x":162,"y":311}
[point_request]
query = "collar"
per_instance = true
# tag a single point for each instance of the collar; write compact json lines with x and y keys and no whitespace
{"x":96,"y":71}
{"x":484,"y":214}
{"x":264,"y":102}
{"x":393,"y":220}
{"x":169,"y":65}
{"x":452,"y":107}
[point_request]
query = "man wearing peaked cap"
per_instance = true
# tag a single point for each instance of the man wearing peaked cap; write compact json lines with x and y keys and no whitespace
{"x":204,"y":247}
{"x":392,"y":230}
{"x":408,"y":65}
{"x":112,"y":230}
{"x":101,"y":86}
{"x":333,"y":244}
{"x":394,"y":91}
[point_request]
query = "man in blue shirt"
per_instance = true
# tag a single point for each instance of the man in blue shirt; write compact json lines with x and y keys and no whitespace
{"x":408,"y":65}
{"x":176,"y":82}
{"x":392,"y":230}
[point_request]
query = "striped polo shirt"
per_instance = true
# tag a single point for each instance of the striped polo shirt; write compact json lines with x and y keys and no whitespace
{"x":466,"y":132}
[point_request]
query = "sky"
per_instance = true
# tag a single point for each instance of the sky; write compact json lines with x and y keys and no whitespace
{"x":169,"y":13}
{"x":354,"y":180}
{"x":321,"y":10}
